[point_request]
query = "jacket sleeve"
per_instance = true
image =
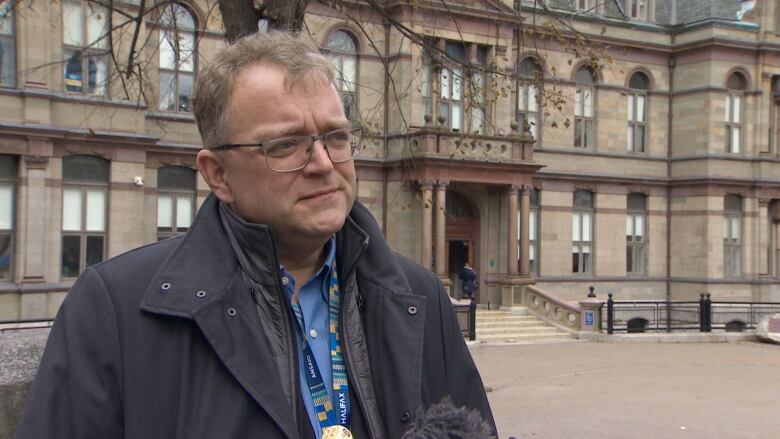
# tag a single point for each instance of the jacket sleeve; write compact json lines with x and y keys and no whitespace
{"x":77,"y":391}
{"x":464,"y":382}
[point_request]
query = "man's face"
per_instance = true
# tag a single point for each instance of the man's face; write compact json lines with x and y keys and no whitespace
{"x":311,"y":203}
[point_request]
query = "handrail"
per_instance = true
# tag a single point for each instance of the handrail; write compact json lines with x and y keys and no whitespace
{"x":555,"y":299}
{"x":553,"y":309}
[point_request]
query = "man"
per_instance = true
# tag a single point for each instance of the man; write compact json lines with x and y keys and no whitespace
{"x":281,"y":313}
{"x":468,"y":278}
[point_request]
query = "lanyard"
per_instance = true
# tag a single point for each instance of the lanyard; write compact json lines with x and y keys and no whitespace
{"x":323,"y":406}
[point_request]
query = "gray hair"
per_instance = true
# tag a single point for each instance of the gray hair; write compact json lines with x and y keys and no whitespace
{"x":295,"y":55}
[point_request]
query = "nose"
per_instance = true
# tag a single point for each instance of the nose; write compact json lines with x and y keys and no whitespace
{"x":319,"y":160}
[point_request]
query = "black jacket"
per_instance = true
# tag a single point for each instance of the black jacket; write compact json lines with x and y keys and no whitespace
{"x":167,"y":341}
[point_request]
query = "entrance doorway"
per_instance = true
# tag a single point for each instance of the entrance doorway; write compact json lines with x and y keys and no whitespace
{"x":461,"y":232}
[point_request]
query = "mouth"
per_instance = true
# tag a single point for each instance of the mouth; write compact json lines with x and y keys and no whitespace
{"x":319,"y":194}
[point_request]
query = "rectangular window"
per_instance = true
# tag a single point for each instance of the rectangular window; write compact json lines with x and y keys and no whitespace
{"x":636,"y":122}
{"x":7,"y":48}
{"x":174,"y":213}
{"x":638,"y":9}
{"x":477,"y":107}
{"x":6,"y":228}
{"x":733,"y":118}
{"x":83,"y":228}
{"x":635,"y":243}
{"x":85,"y":37}
{"x":582,"y":244}
{"x":732,"y":245}
{"x":450,"y":97}
{"x":583,"y":117}
{"x":528,"y":108}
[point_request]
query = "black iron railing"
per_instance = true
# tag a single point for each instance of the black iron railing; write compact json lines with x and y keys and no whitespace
{"x":704,"y":315}
{"x":467,"y":318}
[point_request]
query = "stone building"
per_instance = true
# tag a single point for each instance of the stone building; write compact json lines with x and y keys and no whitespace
{"x":487,"y":139}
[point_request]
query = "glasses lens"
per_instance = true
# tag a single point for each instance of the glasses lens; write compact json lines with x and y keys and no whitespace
{"x":287,"y":154}
{"x":343,"y":144}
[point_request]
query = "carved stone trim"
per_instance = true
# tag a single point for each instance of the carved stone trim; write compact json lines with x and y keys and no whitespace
{"x":36,"y":161}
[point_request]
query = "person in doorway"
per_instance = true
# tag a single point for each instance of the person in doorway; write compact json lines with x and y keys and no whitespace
{"x":468,"y":278}
{"x":282,"y":312}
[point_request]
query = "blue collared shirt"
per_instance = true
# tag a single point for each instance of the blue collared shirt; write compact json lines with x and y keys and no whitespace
{"x":313,"y":299}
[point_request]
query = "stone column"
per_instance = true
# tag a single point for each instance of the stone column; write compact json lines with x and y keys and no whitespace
{"x":33,"y":221}
{"x":764,"y":237}
{"x":426,"y":191}
{"x":441,"y":206}
{"x":511,"y":253}
{"x":525,"y":195}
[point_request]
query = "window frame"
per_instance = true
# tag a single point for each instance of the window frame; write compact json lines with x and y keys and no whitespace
{"x":733,"y":257}
{"x":175,"y":193}
{"x":526,"y":85}
{"x":730,"y":124}
{"x":633,"y":11}
{"x":634,"y":96}
{"x":636,"y":248}
{"x":86,"y":51}
{"x":84,"y":186}
{"x":12,"y":182}
{"x":533,"y":231}
{"x":337,"y":58}
{"x":177,"y":73}
{"x":581,"y":106}
{"x":584,"y":265}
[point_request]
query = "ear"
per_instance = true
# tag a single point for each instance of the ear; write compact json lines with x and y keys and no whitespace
{"x":212,"y":167}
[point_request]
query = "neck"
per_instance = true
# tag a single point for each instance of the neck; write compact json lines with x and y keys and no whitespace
{"x":301,"y":261}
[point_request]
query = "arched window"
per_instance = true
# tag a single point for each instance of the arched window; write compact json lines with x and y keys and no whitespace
{"x":177,"y":57}
{"x":636,"y":217}
{"x":584,"y":104}
{"x":732,"y":235}
{"x":343,"y":51}
{"x":736,"y":85}
{"x":7,"y":50}
{"x":84,"y":199}
{"x":175,"y":200}
{"x":529,"y":75}
{"x":637,"y":112}
{"x":8,"y":182}
{"x":85,"y":41}
{"x":582,"y":232}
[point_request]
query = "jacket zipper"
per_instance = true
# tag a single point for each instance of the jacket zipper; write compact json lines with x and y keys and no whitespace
{"x":347,"y":348}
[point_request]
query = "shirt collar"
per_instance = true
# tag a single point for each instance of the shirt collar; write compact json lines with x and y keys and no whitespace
{"x":323,"y":274}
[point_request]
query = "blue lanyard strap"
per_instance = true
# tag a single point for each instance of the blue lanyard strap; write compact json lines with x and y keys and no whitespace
{"x":323,"y":406}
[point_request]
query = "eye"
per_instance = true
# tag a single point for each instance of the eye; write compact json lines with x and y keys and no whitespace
{"x":284,"y":147}
{"x":340,"y":136}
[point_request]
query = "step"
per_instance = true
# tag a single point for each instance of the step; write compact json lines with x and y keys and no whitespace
{"x":512,"y":324}
{"x":525,"y":330}
{"x":524,"y":336}
{"x":509,"y":319}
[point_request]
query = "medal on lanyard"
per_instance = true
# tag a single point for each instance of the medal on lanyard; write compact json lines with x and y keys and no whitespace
{"x":334,"y":423}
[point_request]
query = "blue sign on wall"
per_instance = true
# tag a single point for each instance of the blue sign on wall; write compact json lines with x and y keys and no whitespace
{"x":588,"y":318}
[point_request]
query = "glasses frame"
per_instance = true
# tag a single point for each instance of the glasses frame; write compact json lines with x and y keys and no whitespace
{"x":355,"y":149}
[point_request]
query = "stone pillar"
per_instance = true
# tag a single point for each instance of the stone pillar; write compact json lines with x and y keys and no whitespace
{"x":426,"y":191}
{"x":525,"y":195}
{"x":511,"y":253}
{"x":764,"y":237}
{"x":441,"y":209}
{"x":33,"y":221}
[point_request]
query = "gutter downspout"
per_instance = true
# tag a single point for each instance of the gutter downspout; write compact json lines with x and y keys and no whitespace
{"x":669,"y":118}
{"x":386,"y":122}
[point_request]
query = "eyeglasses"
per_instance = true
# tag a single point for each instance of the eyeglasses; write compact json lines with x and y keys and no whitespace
{"x":288,"y":154}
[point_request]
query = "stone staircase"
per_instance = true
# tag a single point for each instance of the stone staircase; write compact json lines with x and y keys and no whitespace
{"x":515,"y":326}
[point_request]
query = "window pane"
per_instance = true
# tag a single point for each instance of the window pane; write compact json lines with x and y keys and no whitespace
{"x":588,"y":138}
{"x":96,"y":210}
{"x":588,"y":102}
{"x":164,"y":212}
{"x":735,"y":146}
{"x":7,"y":22}
{"x":71,"y":254}
{"x":72,"y":24}
{"x":531,"y":251}
{"x":457,"y":75}
{"x":630,"y":139}
{"x":630,"y":107}
{"x":533,"y":104}
{"x":85,"y":168}
{"x":71,"y":208}
{"x":7,"y":62}
{"x":445,"y":84}
{"x":456,"y":116}
{"x":578,"y":102}
{"x":629,"y":228}
{"x":534,"y":125}
{"x":477,"y":118}
{"x":640,"y":138}
{"x":73,"y":71}
{"x":735,"y":230}
{"x":444,"y":111}
{"x":167,"y":92}
{"x":5,"y":256}
{"x":532,"y":225}
{"x":183,"y":212}
{"x":185,"y":92}
{"x":342,"y":42}
{"x":640,"y":108}
{"x":736,"y":117}
{"x":639,"y":230}
{"x":350,"y":73}
{"x":575,"y":226}
{"x":640,"y":258}
{"x":97,"y":26}
{"x":575,"y":259}
{"x":578,"y":133}
{"x":98,"y":75}
{"x":167,"y":52}
{"x":6,"y":206}
{"x":175,"y":177}
{"x":425,"y":78}
{"x":586,"y":259}
{"x":521,"y":92}
{"x":94,"y":250}
{"x":727,"y":109}
{"x":186,"y":51}
{"x":586,"y":226}
{"x":629,"y":258}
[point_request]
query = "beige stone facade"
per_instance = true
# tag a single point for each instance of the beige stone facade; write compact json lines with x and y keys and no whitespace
{"x":441,"y":192}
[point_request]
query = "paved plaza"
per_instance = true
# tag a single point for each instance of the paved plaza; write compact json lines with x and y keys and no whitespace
{"x":633,"y":390}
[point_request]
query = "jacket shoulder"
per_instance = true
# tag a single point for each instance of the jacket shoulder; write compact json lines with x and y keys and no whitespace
{"x":422,"y":281}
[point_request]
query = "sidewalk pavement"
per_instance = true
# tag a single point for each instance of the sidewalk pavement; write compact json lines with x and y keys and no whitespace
{"x":633,"y":390}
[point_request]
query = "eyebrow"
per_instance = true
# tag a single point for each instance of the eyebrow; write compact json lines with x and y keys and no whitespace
{"x":294,"y":130}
